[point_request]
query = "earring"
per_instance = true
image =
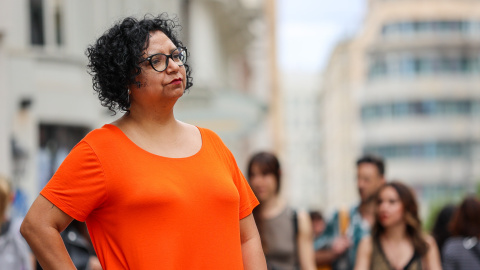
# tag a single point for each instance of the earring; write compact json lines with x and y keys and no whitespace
{"x":128,"y":98}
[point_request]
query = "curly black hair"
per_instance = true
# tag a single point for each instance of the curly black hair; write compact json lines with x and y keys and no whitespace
{"x":114,"y":58}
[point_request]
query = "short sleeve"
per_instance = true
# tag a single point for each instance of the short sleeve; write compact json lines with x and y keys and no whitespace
{"x":248,"y":201}
{"x":78,"y":186}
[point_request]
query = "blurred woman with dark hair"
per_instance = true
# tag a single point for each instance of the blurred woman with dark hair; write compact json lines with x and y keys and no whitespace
{"x":286,"y":235}
{"x":440,"y":230}
{"x":463,"y":251}
{"x":397,"y":241}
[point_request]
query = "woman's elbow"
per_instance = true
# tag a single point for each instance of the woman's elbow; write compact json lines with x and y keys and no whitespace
{"x":26,"y":229}
{"x":30,"y":229}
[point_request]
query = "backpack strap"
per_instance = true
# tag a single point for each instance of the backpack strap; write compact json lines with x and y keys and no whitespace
{"x":295,"y":235}
{"x":295,"y":223}
{"x":343,"y":220}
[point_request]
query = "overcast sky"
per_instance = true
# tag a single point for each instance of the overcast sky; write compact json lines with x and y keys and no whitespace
{"x":309,"y":29}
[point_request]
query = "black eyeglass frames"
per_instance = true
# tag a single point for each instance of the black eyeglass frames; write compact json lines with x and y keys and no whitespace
{"x":159,"y":61}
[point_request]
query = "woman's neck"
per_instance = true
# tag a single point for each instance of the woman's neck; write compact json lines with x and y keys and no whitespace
{"x":272,"y":207}
{"x":395,"y":232}
{"x":148,"y":122}
{"x":158,"y":115}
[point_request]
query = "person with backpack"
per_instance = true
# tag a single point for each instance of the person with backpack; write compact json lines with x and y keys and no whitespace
{"x":462,"y":252}
{"x":337,"y":247}
{"x":286,"y":234}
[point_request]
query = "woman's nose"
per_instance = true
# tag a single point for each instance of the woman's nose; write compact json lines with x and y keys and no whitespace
{"x":172,"y":66}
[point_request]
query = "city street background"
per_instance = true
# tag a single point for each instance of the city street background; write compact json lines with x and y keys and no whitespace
{"x":319,"y":83}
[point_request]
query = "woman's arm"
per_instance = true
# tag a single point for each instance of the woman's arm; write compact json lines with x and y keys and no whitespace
{"x":306,"y":253}
{"x":432,"y":258}
{"x":364,"y":254}
{"x":329,"y":247}
{"x":41,"y":228}
{"x":252,"y":252}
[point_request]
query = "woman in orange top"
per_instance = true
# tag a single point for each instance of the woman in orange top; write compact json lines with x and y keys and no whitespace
{"x":156,"y":193}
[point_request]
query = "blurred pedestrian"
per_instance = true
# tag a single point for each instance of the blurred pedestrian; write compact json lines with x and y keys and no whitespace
{"x":440,"y":231}
{"x":337,"y":247}
{"x":462,"y":252}
{"x":397,"y":241}
{"x":79,"y":246}
{"x":318,"y":223}
{"x":14,"y":251}
{"x":286,"y":234}
{"x":154,"y":192}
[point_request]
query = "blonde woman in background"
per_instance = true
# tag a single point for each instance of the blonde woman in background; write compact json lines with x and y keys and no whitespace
{"x":14,"y":251}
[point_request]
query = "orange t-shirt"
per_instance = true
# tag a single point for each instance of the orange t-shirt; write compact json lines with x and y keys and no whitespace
{"x":144,"y":211}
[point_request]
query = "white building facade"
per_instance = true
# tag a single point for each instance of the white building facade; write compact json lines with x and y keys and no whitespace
{"x":302,"y":169}
{"x":411,"y":79}
{"x":420,"y":105}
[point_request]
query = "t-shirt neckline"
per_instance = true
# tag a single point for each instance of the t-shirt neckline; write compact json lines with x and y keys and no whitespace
{"x":126,"y":138}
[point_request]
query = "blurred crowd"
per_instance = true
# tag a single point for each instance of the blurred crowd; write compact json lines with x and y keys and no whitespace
{"x":382,"y":231}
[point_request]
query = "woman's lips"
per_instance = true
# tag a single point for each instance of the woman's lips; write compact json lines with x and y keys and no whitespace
{"x":176,"y":81}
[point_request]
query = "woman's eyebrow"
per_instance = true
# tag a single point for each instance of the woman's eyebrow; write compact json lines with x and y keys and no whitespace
{"x":158,"y":51}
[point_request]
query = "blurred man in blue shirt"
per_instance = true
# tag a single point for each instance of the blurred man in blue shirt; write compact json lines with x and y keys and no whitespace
{"x":338,"y":244}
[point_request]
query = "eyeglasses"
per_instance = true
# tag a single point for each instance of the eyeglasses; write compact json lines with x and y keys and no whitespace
{"x":159,"y":61}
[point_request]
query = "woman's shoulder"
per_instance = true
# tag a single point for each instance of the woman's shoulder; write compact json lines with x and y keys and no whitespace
{"x":105,"y":135}
{"x":211,"y":137}
{"x":429,"y":239}
{"x":105,"y":130}
{"x":367,"y":243}
{"x":366,"y":247}
{"x":431,"y":242}
{"x":208,"y":132}
{"x":432,"y":257}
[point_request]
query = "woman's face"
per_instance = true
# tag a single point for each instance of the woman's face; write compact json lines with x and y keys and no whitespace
{"x":390,"y":210}
{"x":263,"y":185}
{"x":157,"y":86}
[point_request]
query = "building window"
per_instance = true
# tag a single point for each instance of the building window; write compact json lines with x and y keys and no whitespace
{"x":439,"y":28}
{"x":58,"y":21}
{"x":36,"y":22}
{"x":46,"y":22}
{"x":408,"y":66}
{"x":432,"y":108}
{"x":425,"y":150}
